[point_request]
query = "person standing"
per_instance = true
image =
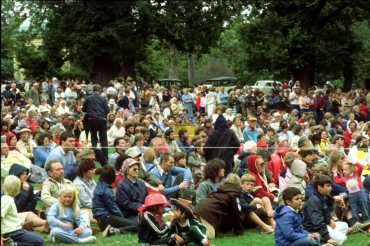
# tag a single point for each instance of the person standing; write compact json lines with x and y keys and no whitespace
{"x":97,"y":111}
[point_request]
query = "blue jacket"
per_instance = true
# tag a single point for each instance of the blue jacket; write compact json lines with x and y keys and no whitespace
{"x":183,"y":145}
{"x":103,"y":203}
{"x":243,"y":157}
{"x":288,"y":226}
{"x":167,"y":179}
{"x":317,"y":214}
{"x":96,"y":107}
{"x":130,"y":196}
{"x":274,"y":102}
{"x":336,"y":190}
{"x":40,"y":155}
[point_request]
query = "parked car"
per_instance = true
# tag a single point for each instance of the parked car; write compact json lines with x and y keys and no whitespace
{"x":266,"y":85}
{"x":227,"y":82}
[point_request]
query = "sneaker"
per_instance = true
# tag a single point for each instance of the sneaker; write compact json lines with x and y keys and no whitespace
{"x":327,"y":244}
{"x":54,"y":240}
{"x":95,"y":230}
{"x":90,"y":239}
{"x":107,"y":231}
{"x":28,"y":225}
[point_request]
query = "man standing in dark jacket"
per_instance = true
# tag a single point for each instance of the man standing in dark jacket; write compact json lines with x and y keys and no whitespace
{"x":222,"y":143}
{"x":97,"y":110}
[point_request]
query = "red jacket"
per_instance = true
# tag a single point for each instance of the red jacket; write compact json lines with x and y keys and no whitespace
{"x":276,"y":165}
{"x":321,"y":104}
{"x":364,"y":110}
{"x":260,"y":187}
{"x":347,"y":138}
{"x":343,"y":180}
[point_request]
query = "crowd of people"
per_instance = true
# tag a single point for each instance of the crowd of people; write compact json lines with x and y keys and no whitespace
{"x":295,"y":163}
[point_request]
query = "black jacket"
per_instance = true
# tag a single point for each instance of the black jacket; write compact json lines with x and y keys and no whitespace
{"x":317,"y":214}
{"x":149,"y":230}
{"x":222,"y":136}
{"x":245,"y":200}
{"x":26,"y":200}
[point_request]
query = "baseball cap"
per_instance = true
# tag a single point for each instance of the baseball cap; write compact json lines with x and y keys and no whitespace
{"x":262,"y":144}
{"x":133,"y":152}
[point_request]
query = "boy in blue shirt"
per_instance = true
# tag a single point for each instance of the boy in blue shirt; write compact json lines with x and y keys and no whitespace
{"x":289,"y":230}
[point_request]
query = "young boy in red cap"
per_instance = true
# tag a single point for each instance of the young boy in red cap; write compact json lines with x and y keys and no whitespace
{"x":149,"y":230}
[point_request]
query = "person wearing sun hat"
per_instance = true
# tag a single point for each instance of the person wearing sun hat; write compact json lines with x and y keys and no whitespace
{"x":131,"y":192}
{"x":187,"y":230}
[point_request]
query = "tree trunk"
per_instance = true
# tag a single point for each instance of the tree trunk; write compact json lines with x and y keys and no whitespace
{"x":103,"y":70}
{"x":128,"y":69}
{"x":173,"y":66}
{"x":191,"y":69}
{"x":306,"y":76}
{"x":348,"y":76}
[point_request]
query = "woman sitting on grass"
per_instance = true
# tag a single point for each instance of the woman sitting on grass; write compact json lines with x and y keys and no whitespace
{"x":26,"y":201}
{"x":105,"y":209}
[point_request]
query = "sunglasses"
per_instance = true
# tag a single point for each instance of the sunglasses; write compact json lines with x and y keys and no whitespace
{"x":261,"y":164}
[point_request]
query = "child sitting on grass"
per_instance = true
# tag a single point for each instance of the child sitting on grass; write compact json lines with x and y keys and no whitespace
{"x":11,"y":229}
{"x":288,"y":218}
{"x":187,"y":230}
{"x":63,"y":214}
{"x":149,"y":230}
{"x":317,"y":213}
{"x":252,"y":207}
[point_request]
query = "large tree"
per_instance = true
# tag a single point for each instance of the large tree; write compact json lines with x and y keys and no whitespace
{"x":111,"y":36}
{"x":300,"y":38}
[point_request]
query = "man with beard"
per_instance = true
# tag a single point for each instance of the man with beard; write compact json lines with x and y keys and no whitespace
{"x":182,"y":141}
{"x":171,"y":143}
{"x":130,"y":132}
{"x":222,"y":143}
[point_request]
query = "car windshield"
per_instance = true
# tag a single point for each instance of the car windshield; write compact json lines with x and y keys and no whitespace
{"x":260,"y":83}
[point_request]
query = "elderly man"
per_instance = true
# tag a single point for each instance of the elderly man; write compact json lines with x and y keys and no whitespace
{"x":45,"y":116}
{"x":165,"y":170}
{"x":250,"y":133}
{"x":9,"y":157}
{"x":34,"y":94}
{"x":157,"y":145}
{"x":24,"y":144}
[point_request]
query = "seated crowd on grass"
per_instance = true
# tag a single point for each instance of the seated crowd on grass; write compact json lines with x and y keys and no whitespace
{"x":209,"y":160}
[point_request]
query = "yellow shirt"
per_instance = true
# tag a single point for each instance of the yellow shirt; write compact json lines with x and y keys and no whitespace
{"x":9,"y":216}
{"x":323,"y":144}
{"x":15,"y":157}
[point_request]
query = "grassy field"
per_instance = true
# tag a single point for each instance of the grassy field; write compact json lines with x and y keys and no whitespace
{"x":251,"y":237}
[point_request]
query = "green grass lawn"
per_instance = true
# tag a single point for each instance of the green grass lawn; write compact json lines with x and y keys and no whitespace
{"x":251,"y":237}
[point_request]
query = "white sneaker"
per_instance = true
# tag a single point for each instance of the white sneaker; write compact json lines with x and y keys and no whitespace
{"x":90,"y":239}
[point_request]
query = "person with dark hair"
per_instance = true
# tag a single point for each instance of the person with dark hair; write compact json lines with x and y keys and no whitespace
{"x":121,"y":144}
{"x":213,"y":173}
{"x":165,"y":171}
{"x":288,"y":217}
{"x":298,"y":132}
{"x":170,"y":141}
{"x":208,"y":129}
{"x":182,"y":141}
{"x":85,"y":184}
{"x":222,"y":143}
{"x":316,"y":212}
{"x":97,"y":109}
{"x":105,"y":209}
{"x":64,"y":153}
{"x":197,"y":162}
{"x":130,"y":132}
{"x":42,"y":150}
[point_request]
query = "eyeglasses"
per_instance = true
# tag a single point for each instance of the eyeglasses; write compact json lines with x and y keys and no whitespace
{"x":135,"y":169}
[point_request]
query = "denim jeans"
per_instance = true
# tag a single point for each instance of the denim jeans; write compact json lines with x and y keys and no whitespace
{"x":101,"y":127}
{"x":67,"y":235}
{"x":358,"y":203}
{"x":25,"y":238}
{"x":306,"y":241}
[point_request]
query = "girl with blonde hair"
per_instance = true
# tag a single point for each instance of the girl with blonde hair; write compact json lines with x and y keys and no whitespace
{"x":63,"y":214}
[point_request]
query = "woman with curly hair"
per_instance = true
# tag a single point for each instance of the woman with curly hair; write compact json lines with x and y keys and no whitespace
{"x":213,"y":173}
